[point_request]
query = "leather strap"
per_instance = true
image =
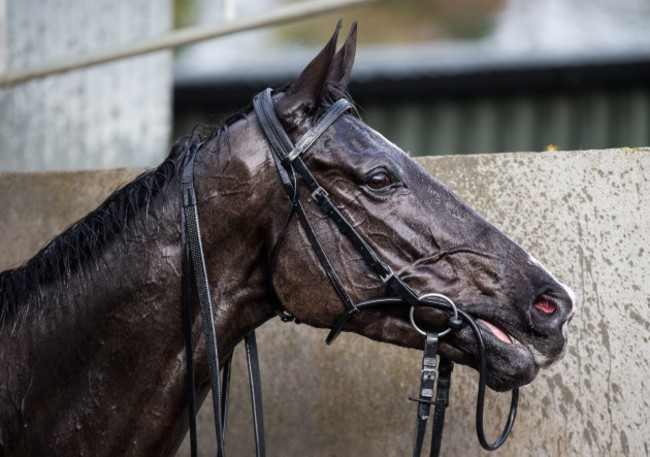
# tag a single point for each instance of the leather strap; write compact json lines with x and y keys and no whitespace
{"x":282,"y":149}
{"x":187,"y":331}
{"x":225,"y":394}
{"x":192,"y":230}
{"x":310,"y":137}
{"x":256,"y":392}
{"x":442,"y":402}
{"x":287,"y":158}
{"x":278,"y":139}
{"x":193,"y":259}
{"x":427,"y":384}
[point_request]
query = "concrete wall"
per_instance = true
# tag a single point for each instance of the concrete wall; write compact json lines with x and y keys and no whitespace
{"x":583,"y":214}
{"x":112,"y":115}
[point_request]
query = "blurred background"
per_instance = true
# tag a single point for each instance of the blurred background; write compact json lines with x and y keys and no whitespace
{"x":434,"y":76}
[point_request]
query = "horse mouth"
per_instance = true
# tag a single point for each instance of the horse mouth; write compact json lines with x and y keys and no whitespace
{"x":511,"y":362}
{"x":517,"y":345}
{"x":498,"y":333}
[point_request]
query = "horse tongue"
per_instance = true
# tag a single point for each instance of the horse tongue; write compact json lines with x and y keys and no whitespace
{"x":500,"y":334}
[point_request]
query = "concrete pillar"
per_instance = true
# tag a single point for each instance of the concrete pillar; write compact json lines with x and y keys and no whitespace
{"x":112,"y":115}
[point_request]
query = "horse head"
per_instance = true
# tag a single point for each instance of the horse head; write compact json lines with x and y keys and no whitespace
{"x":428,"y":236}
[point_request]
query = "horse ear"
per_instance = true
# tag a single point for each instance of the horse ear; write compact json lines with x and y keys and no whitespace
{"x":306,"y":90}
{"x":344,"y":60}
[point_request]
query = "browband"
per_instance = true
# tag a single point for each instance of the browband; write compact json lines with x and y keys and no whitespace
{"x":276,"y":135}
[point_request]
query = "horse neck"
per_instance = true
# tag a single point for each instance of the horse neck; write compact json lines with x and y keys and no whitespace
{"x":102,"y":370}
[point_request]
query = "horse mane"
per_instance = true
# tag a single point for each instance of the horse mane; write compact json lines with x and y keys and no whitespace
{"x":126,"y":214}
{"x":84,"y":240}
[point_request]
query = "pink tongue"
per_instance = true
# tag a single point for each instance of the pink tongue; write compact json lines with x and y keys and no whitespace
{"x":497,"y":332}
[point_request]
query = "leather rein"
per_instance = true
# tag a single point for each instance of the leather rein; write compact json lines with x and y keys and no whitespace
{"x":289,"y":164}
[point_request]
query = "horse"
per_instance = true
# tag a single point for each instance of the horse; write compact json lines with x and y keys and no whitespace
{"x":91,"y":335}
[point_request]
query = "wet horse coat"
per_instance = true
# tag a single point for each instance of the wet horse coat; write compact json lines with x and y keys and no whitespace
{"x":91,"y":341}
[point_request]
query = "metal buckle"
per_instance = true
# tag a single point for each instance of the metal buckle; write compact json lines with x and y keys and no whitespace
{"x":319,"y":191}
{"x":389,"y":275}
{"x":284,"y":316}
{"x":429,"y":374}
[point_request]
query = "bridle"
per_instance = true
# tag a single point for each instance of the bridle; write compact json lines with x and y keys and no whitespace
{"x":289,"y":164}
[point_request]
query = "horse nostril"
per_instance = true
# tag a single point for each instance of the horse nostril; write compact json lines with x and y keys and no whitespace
{"x":545,"y":304}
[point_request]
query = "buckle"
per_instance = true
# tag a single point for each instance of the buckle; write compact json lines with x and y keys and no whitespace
{"x":388,"y":276}
{"x":429,"y":374}
{"x":189,"y":195}
{"x":319,"y":191}
{"x":285,"y":316}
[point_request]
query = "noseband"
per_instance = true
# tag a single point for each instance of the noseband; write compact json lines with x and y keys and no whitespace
{"x":289,"y":164}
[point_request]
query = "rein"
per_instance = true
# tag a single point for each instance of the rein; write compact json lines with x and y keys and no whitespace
{"x":289,"y":164}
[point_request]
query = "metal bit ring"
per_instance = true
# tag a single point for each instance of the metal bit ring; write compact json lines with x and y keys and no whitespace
{"x":433,"y":295}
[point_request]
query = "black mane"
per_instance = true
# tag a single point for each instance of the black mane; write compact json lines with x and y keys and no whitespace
{"x":126,"y":215}
{"x":122,"y":215}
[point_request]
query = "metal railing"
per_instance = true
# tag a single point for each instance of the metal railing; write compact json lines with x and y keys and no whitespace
{"x":182,"y":37}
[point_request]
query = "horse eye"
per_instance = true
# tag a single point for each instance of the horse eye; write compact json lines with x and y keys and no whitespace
{"x":378,"y":181}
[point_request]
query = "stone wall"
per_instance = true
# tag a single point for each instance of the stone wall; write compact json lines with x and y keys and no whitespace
{"x":583,"y":214}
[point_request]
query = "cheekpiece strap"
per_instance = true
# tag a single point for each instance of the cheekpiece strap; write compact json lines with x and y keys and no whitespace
{"x":286,"y":155}
{"x":280,"y":142}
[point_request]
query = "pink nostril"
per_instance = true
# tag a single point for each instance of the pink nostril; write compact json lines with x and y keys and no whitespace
{"x":545,"y":304}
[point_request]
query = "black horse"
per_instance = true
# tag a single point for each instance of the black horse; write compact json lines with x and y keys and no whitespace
{"x":92,"y":350}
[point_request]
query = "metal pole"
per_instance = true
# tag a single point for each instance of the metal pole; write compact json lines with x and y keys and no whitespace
{"x":182,"y":37}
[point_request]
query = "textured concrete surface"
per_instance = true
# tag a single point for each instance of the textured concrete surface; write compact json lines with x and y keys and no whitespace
{"x":37,"y":206}
{"x":583,"y":214}
{"x":112,"y":115}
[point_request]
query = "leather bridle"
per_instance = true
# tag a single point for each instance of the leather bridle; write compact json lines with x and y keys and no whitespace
{"x":290,"y":166}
